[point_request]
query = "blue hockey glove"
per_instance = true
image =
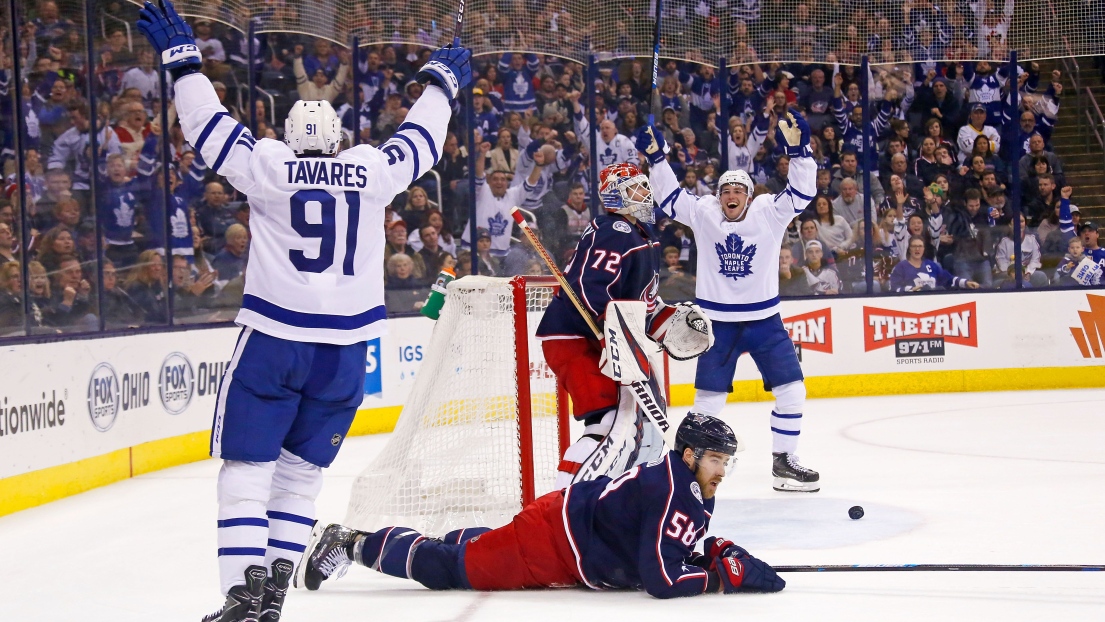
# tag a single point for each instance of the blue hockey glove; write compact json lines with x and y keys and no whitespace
{"x":448,"y":68}
{"x":650,"y":141}
{"x":169,"y":35}
{"x":793,"y":134}
{"x":744,"y":574}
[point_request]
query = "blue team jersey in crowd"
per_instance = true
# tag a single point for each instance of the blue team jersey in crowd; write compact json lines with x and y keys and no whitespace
{"x":640,"y":530}
{"x":614,"y":260}
{"x":907,"y":278}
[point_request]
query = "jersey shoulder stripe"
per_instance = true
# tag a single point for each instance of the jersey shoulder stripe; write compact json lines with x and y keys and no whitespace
{"x":408,"y":125}
{"x":210,"y":127}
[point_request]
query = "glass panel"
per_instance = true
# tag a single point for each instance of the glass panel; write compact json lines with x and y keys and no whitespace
{"x":11,"y":214}
{"x":63,"y":267}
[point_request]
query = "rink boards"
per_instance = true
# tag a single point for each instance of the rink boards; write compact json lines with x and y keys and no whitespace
{"x":84,"y":413}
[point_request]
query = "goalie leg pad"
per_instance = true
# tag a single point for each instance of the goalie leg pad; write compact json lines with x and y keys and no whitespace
{"x":619,"y":449}
{"x":626,"y":344}
{"x":296,"y":484}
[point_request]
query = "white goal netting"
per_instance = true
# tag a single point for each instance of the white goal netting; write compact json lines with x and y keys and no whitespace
{"x":457,"y":454}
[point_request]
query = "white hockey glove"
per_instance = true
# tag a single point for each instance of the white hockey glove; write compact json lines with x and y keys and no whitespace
{"x":625,"y":344}
{"x":682,"y":330}
{"x":793,"y":134}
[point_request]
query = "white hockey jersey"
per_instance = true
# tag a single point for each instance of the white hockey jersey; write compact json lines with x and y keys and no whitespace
{"x":620,"y":148}
{"x":738,"y":262}
{"x":315,"y":270}
{"x":493,"y":213}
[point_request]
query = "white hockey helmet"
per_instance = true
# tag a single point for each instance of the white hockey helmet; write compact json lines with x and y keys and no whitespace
{"x":313,"y":128}
{"x":736,"y":177}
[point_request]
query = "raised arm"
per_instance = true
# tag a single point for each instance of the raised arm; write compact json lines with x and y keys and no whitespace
{"x":793,"y":134}
{"x":677,"y":203}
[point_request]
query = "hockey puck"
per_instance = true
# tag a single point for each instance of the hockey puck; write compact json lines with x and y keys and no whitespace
{"x":856,"y":512}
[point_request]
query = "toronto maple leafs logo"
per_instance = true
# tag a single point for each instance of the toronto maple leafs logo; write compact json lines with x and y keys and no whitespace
{"x":124,"y":214}
{"x":496,"y":225}
{"x":607,"y":157}
{"x":734,"y":257}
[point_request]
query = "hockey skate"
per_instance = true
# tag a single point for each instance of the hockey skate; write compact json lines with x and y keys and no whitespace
{"x":243,"y":602}
{"x":327,"y":555}
{"x":276,"y":588}
{"x":791,"y":476}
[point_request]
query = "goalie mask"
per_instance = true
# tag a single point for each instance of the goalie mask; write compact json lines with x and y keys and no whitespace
{"x":312,"y":129}
{"x":740,"y":179}
{"x":624,"y":189}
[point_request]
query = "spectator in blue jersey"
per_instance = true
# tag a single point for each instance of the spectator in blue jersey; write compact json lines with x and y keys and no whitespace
{"x":1076,"y":269}
{"x":915,"y":273}
{"x":118,"y":213}
{"x":516,"y":72}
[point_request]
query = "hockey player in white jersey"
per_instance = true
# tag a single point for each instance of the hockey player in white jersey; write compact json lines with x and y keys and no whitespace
{"x":738,"y":284}
{"x":314,"y":294}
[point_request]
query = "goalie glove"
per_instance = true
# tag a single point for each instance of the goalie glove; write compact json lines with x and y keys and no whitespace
{"x":793,"y":134}
{"x":682,"y":330}
{"x":171,"y":37}
{"x":624,"y":358}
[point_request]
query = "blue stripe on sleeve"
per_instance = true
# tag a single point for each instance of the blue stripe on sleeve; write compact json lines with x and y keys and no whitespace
{"x":795,"y":192}
{"x":291,"y":518}
{"x":669,"y":198}
{"x":414,"y":152}
{"x":425,"y":134}
{"x":312,"y":320}
{"x":234,"y":134}
{"x":210,"y":127}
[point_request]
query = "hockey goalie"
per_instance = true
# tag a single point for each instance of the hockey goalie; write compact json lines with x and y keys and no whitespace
{"x":615,"y":274}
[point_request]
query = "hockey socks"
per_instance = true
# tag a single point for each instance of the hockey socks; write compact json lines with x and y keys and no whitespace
{"x":407,"y":554}
{"x":243,"y":493}
{"x":291,"y":509}
{"x":785,"y":429}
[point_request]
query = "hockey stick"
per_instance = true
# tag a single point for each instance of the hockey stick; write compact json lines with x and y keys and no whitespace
{"x":641,"y":393}
{"x":652,"y":105}
{"x":460,"y":24}
{"x":942,"y":567}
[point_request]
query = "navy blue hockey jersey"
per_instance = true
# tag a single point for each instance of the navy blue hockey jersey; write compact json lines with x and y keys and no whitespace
{"x":614,"y":260}
{"x":639,"y":530}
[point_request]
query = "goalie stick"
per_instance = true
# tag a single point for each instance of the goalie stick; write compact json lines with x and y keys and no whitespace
{"x":641,"y":393}
{"x":943,"y":567}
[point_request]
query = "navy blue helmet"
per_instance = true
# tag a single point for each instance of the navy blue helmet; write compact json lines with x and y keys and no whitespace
{"x":705,"y":433}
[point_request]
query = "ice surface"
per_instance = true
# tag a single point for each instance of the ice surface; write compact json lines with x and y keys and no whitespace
{"x":957,"y":478}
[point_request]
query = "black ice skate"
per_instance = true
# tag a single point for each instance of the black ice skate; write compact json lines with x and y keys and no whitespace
{"x":328,"y":555}
{"x":276,"y":587}
{"x":791,"y":476}
{"x":243,"y":602}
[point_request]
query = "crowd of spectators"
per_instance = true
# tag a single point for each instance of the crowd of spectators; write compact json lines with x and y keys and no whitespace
{"x":946,"y":145}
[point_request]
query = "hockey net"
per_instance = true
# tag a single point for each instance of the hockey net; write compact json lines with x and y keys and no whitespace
{"x":484,"y":427}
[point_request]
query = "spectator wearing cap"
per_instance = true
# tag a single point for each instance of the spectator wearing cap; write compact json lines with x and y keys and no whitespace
{"x":822,"y":278}
{"x":488,"y":262}
{"x":936,"y":101}
{"x":397,"y":244}
{"x":487,"y":117}
{"x":1088,"y":232}
{"x":975,"y":127}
